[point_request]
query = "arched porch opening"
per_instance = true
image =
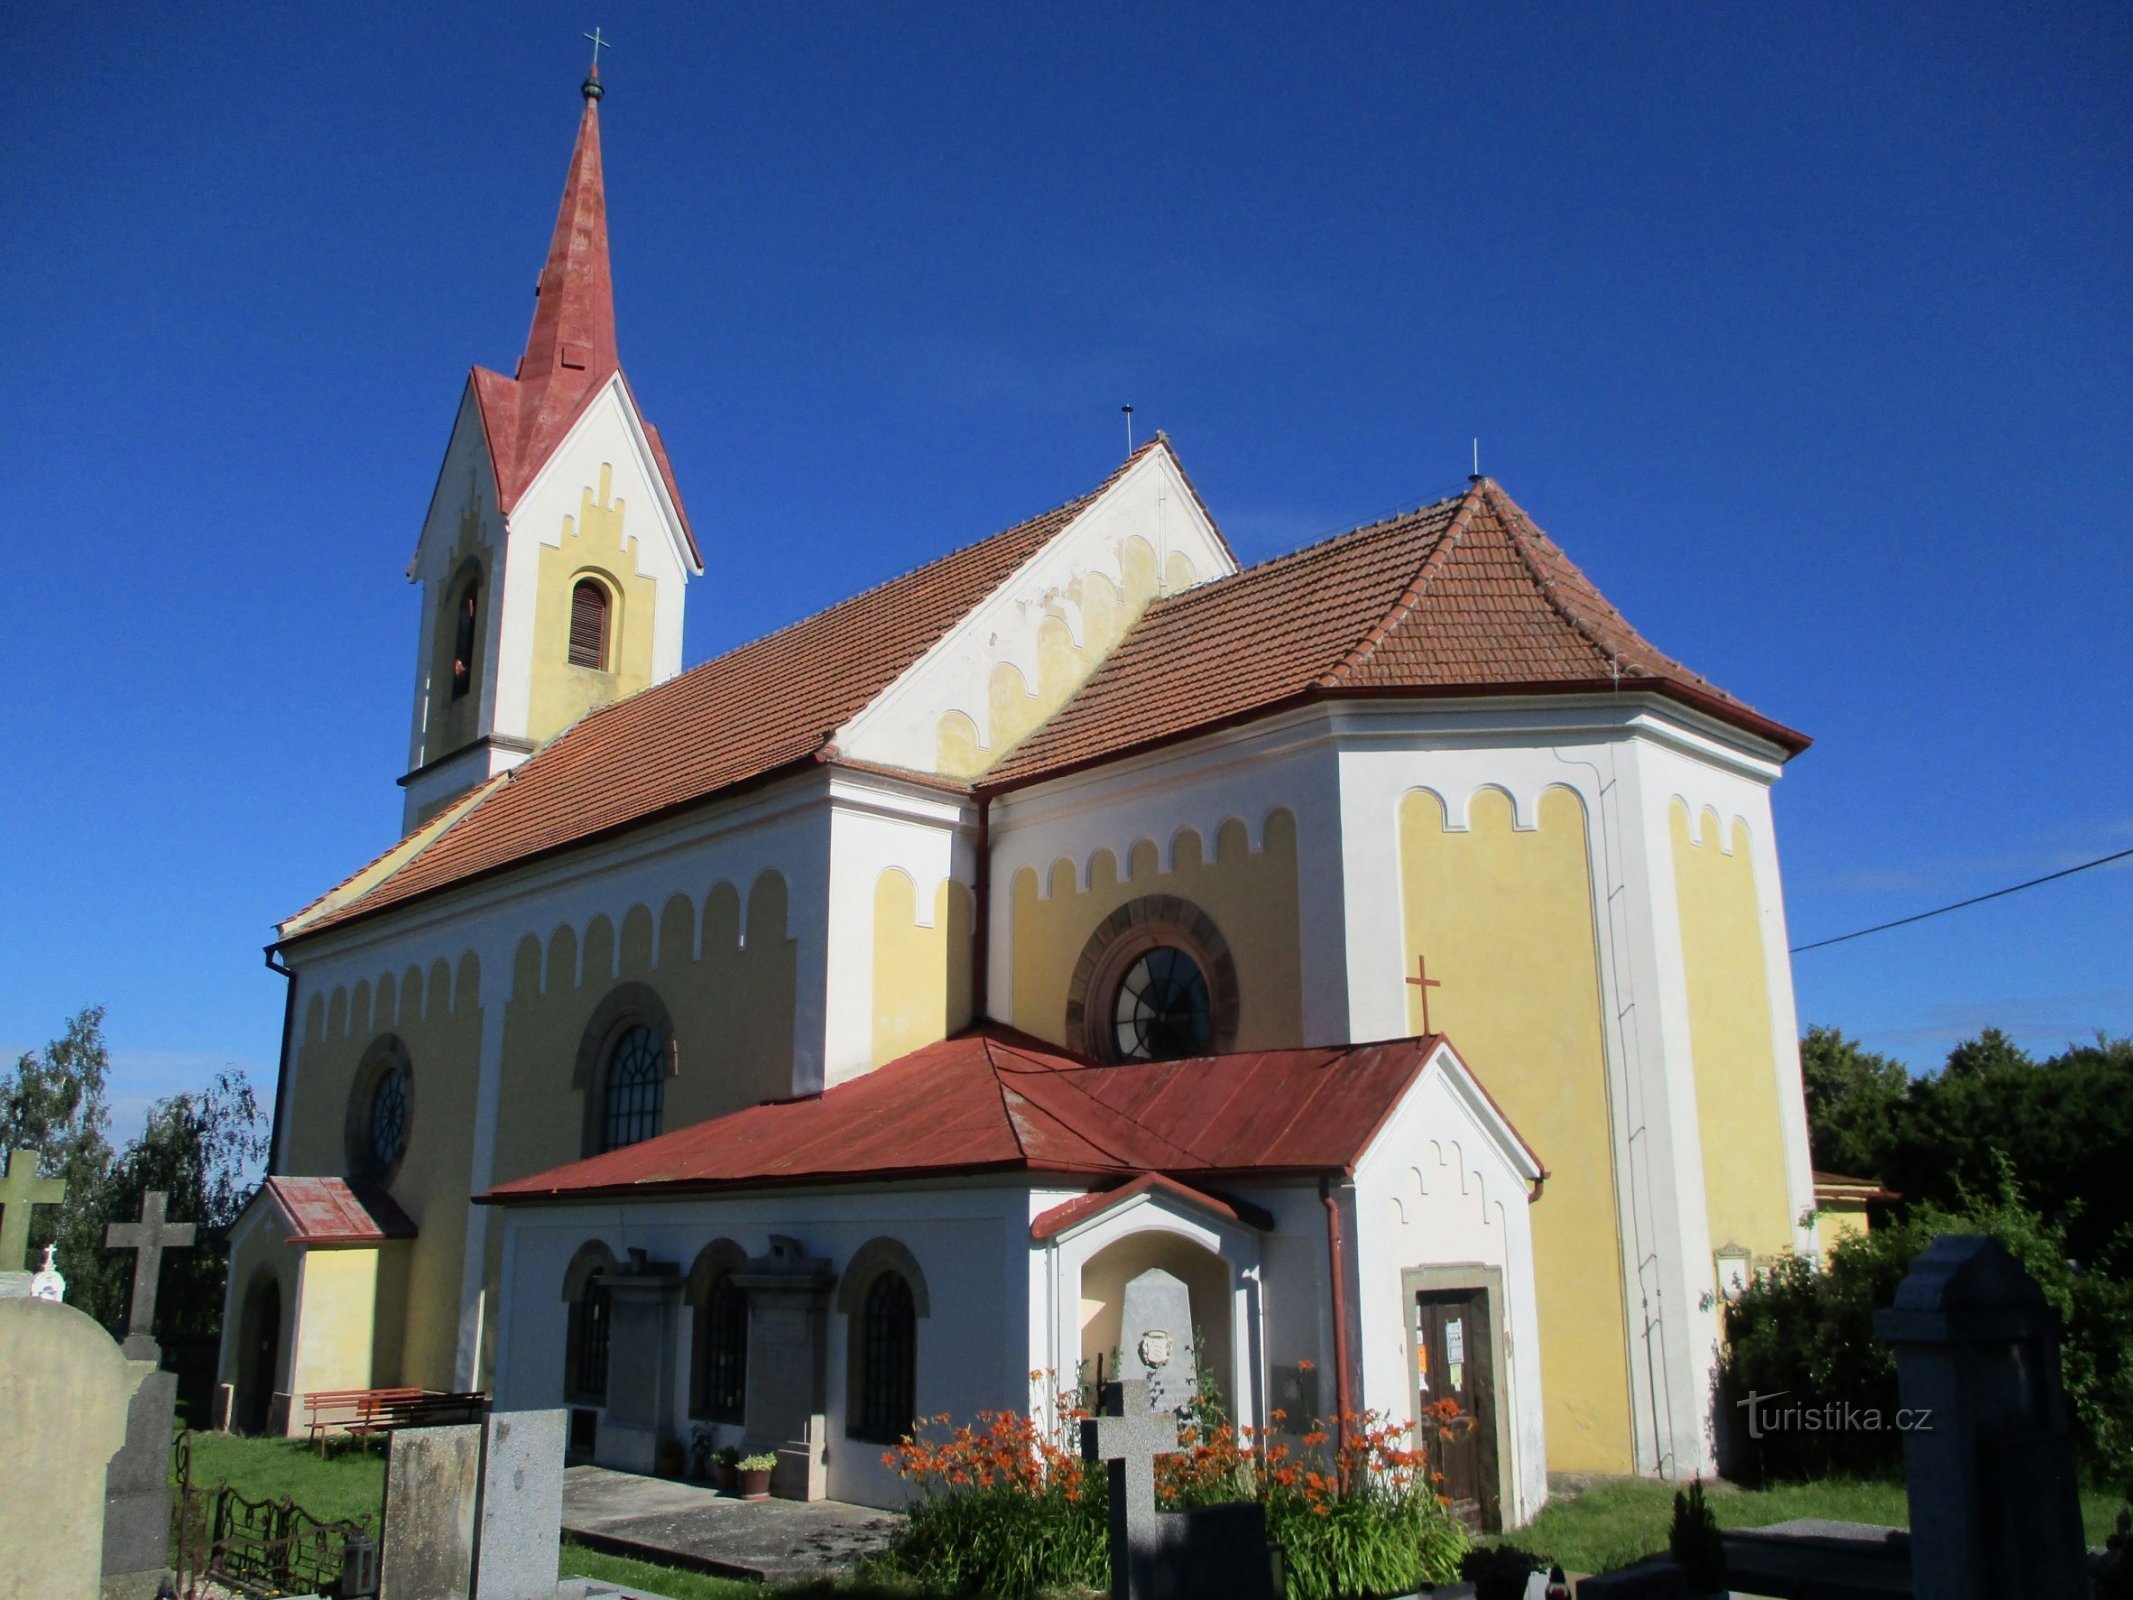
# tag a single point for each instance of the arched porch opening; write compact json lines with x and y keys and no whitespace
{"x":1208,"y":1283}
{"x":259,"y":1353}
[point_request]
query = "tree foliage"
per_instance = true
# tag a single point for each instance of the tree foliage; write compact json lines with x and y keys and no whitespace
{"x":2063,"y":1126}
{"x":203,"y":1147}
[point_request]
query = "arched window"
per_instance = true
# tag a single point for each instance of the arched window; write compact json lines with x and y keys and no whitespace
{"x":636,"y":1088}
{"x":586,"y":1343}
{"x":589,"y":606}
{"x":721,"y":1358}
{"x":463,"y":630}
{"x":625,"y":1055}
{"x":888,"y":1360}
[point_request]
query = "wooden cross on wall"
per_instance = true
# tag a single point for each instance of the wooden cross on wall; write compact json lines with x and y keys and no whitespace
{"x":1425,"y":983}
{"x":20,"y":1190}
{"x":147,"y":1239}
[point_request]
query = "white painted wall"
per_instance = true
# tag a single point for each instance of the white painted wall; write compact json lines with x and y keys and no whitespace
{"x":1151,"y":501}
{"x":1444,"y":1184}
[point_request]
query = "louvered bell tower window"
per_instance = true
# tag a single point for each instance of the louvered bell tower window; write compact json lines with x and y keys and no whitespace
{"x":588,"y":625}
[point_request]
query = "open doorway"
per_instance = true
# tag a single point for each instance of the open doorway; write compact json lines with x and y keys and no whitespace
{"x":258,"y":1354}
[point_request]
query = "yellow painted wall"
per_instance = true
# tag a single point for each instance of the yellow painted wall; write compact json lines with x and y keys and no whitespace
{"x":732,"y":1011}
{"x":593,"y":545}
{"x":1836,"y":1223}
{"x":1013,"y":706}
{"x":335,"y":1333}
{"x":1729,"y":1036}
{"x":1506,"y":920}
{"x":1251,"y":897}
{"x":437,"y":1014}
{"x":921,"y":975}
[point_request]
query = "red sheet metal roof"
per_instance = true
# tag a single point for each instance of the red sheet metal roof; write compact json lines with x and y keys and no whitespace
{"x":993,"y":1100}
{"x":338,"y":1211}
{"x":1052,"y":1223}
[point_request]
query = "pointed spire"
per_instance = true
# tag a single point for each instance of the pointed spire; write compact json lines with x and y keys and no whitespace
{"x":571,"y":346}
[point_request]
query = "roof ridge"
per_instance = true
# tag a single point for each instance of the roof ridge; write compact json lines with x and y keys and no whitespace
{"x":1410,"y":597}
{"x":1514,"y":518}
{"x":1072,"y":1080}
{"x":1074,"y":504}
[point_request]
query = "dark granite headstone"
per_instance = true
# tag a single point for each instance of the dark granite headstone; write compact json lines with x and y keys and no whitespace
{"x":137,"y":1490}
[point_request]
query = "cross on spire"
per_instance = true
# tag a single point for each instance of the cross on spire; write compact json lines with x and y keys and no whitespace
{"x":1129,"y":1438}
{"x":20,"y":1190}
{"x":1425,"y":983}
{"x":147,"y":1239}
{"x":591,"y":87}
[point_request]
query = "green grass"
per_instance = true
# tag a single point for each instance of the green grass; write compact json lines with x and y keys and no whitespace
{"x":1618,"y":1521}
{"x":345,"y":1485}
{"x":680,"y":1583}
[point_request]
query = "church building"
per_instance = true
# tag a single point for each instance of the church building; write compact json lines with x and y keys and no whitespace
{"x":1386,"y":941}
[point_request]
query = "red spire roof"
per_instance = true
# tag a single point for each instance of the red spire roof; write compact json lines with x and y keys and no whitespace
{"x":570,"y":349}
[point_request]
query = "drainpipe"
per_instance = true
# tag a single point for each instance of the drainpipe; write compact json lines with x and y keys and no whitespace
{"x":981,"y":918}
{"x":281,"y":1067}
{"x":1342,"y":1398}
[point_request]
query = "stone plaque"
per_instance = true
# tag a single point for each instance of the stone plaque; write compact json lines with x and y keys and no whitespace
{"x":1155,"y":1338}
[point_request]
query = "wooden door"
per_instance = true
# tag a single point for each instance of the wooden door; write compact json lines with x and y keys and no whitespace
{"x":1455,"y":1400}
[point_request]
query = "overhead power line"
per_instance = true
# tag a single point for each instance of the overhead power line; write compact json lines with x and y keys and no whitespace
{"x":1974,"y":900}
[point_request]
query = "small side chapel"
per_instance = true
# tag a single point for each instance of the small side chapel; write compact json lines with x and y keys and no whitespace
{"x":1386,"y":941}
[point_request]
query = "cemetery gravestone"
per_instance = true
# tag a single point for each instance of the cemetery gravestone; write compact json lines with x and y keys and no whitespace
{"x":63,"y":1392}
{"x":521,"y":1506}
{"x":432,"y":1491}
{"x":637,"y":1428}
{"x":1989,"y":1459}
{"x":1155,"y":1339}
{"x":137,"y":1486}
{"x":1207,"y":1553}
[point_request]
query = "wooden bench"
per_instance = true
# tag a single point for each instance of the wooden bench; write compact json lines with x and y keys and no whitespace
{"x":363,"y":1412}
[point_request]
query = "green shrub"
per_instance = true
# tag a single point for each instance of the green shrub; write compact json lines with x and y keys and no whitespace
{"x":1006,"y":1540}
{"x":1808,"y":1333}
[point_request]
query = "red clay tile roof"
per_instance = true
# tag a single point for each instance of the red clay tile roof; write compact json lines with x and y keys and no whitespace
{"x":993,"y":1100}
{"x":337,"y":1211}
{"x":763,"y":708}
{"x":1464,"y":596}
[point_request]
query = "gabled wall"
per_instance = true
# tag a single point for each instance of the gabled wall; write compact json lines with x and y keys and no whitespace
{"x":1019,"y":654}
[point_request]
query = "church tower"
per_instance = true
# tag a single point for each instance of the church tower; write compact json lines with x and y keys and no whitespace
{"x":556,"y":549}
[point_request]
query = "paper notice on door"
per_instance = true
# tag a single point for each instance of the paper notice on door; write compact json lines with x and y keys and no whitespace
{"x":1455,"y":1352}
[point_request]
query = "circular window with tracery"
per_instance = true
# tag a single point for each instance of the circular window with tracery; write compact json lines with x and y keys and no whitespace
{"x":1155,"y":982}
{"x":381,"y":1109}
{"x":388,"y":1118}
{"x":1162,"y":1009}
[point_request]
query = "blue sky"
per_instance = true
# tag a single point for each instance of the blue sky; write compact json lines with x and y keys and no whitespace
{"x":1807,"y":330}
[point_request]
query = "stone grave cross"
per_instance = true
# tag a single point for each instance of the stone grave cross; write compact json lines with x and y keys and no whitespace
{"x":1129,"y":1439}
{"x":20,"y":1190}
{"x":147,"y":1239}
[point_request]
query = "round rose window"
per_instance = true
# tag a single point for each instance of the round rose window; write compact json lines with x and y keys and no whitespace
{"x":1162,"y":1009}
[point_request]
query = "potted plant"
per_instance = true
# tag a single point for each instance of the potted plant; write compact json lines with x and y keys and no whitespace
{"x":754,"y":1473}
{"x":723,"y":1467}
